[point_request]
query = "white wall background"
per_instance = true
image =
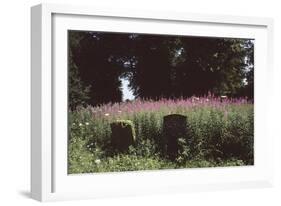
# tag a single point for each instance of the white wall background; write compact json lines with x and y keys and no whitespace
{"x":15,"y":102}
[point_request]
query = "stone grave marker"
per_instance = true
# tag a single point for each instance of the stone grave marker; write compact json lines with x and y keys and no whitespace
{"x":122,"y":134}
{"x":174,"y":127}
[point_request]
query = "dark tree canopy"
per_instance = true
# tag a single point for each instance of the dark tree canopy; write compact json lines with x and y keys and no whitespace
{"x":78,"y":92}
{"x":157,"y":66}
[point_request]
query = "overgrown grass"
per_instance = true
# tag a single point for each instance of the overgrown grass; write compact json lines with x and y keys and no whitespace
{"x":218,"y":134}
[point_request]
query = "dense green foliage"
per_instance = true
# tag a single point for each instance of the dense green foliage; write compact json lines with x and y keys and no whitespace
{"x":216,"y":136}
{"x":78,"y":91}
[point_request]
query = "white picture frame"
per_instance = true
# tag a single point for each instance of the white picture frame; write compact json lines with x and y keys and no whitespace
{"x":49,"y":178}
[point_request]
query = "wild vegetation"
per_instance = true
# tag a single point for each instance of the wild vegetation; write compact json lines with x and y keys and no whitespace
{"x":218,"y":134}
{"x":209,"y":82}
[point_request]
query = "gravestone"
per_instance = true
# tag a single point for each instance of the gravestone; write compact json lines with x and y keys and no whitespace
{"x":122,"y":135}
{"x":174,"y":127}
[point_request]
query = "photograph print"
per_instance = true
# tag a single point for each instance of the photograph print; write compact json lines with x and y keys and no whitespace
{"x":152,"y":102}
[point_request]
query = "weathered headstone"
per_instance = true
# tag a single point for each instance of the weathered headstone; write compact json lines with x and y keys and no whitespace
{"x":174,"y":127}
{"x":122,"y":135}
